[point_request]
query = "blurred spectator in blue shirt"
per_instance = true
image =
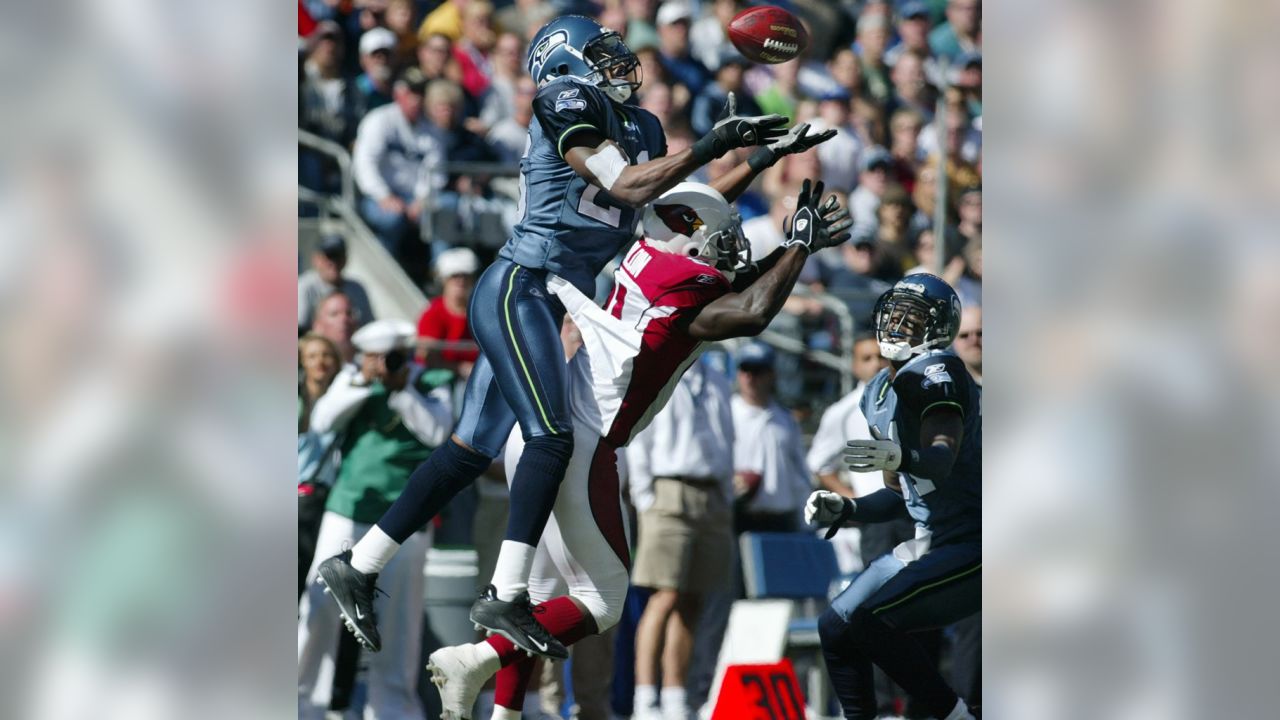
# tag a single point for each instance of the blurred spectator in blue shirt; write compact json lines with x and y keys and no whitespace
{"x":674,"y":18}
{"x":730,"y":66}
{"x":913,"y":37}
{"x":962,"y":32}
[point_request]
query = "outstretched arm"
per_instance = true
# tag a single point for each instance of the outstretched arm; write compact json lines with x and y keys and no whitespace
{"x":735,"y":182}
{"x":603,"y":163}
{"x":749,"y":312}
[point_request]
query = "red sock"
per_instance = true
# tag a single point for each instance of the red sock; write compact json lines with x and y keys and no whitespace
{"x":559,"y":615}
{"x":513,"y":683}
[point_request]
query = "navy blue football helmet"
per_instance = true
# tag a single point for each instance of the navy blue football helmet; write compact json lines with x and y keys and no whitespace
{"x":919,"y":313}
{"x":577,"y":46}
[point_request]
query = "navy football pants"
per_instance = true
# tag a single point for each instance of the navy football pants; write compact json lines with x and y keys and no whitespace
{"x":871,"y":620}
{"x":521,"y":376}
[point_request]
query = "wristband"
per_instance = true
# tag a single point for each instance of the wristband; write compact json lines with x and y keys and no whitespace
{"x":909,"y":459}
{"x":704,"y":150}
{"x":761,"y":159}
{"x":845,"y":513}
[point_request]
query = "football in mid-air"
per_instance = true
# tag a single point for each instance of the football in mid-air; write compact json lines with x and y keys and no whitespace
{"x":768,"y":34}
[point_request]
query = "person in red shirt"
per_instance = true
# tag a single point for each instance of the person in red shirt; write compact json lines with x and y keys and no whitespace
{"x":444,"y":339}
{"x":473,"y":48}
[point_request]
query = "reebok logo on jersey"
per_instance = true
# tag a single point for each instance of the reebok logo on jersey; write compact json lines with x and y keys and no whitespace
{"x":706,"y":279}
{"x":566,"y":94}
{"x":935,"y":374}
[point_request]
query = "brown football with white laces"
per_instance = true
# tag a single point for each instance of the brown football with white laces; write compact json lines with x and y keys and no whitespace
{"x":768,"y":34}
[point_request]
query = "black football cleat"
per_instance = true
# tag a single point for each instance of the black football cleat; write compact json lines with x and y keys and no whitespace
{"x":514,"y":621}
{"x":353,"y":591}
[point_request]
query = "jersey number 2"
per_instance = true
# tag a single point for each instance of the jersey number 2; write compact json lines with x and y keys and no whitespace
{"x":598,"y":208}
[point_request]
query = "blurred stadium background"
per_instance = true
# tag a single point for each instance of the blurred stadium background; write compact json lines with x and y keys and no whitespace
{"x":151,"y":214}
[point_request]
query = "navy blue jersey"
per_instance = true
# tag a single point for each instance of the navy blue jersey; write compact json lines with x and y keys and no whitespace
{"x":568,"y":225}
{"x":951,"y":508}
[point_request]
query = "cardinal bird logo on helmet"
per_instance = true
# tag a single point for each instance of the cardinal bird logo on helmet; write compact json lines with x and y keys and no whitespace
{"x":680,"y":218}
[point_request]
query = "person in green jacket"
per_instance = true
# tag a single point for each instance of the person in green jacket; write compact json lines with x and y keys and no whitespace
{"x":391,"y":414}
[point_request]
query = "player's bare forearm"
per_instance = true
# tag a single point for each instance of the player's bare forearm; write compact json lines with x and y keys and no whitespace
{"x":735,"y":182}
{"x":748,"y":313}
{"x":640,"y":184}
{"x":600,"y":162}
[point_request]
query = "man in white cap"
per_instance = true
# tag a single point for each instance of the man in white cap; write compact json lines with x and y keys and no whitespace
{"x":373,"y":86}
{"x":390,"y":415}
{"x":444,"y":338}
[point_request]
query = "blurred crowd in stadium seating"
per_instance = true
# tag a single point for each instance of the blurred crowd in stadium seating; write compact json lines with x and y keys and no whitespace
{"x":432,"y":101}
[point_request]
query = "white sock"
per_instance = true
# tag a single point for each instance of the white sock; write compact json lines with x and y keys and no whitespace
{"x":645,"y":698}
{"x":488,"y":657}
{"x":374,"y":551}
{"x":959,"y":712}
{"x":501,"y":713}
{"x":673,"y":704}
{"x":511,"y":574}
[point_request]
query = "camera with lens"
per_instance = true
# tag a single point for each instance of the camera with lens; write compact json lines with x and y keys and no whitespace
{"x":395,"y":360}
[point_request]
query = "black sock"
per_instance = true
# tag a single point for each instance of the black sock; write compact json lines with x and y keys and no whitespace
{"x":850,"y":670}
{"x":448,"y":470}
{"x":533,"y":489}
{"x":903,"y":659}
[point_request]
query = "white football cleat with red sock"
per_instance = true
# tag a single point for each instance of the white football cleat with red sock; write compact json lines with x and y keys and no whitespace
{"x":460,"y":672}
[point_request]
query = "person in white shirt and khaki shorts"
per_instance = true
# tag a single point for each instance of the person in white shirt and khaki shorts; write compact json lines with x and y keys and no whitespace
{"x":681,"y":471}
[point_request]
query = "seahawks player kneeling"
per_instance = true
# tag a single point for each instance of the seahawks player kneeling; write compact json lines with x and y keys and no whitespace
{"x":925,"y":415}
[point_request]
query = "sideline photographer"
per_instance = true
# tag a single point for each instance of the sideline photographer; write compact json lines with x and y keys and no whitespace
{"x":392,"y":415}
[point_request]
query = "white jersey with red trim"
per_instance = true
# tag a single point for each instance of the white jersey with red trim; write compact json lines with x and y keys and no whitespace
{"x":635,"y":350}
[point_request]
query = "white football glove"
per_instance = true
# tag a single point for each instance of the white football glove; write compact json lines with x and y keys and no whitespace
{"x":825,"y":507}
{"x":872,"y":455}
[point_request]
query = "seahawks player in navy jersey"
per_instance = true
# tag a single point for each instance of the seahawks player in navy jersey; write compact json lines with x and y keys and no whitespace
{"x":925,"y":415}
{"x":592,"y":161}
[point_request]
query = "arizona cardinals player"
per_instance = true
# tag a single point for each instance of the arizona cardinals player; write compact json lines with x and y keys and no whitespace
{"x":674,"y":291}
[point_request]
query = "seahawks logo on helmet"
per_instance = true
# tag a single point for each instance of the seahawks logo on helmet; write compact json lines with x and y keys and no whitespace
{"x":680,"y":218}
{"x":538,"y":57}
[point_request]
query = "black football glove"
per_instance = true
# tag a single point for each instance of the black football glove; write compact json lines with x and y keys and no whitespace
{"x":814,"y":227}
{"x":734,"y":131}
{"x":797,"y":140}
